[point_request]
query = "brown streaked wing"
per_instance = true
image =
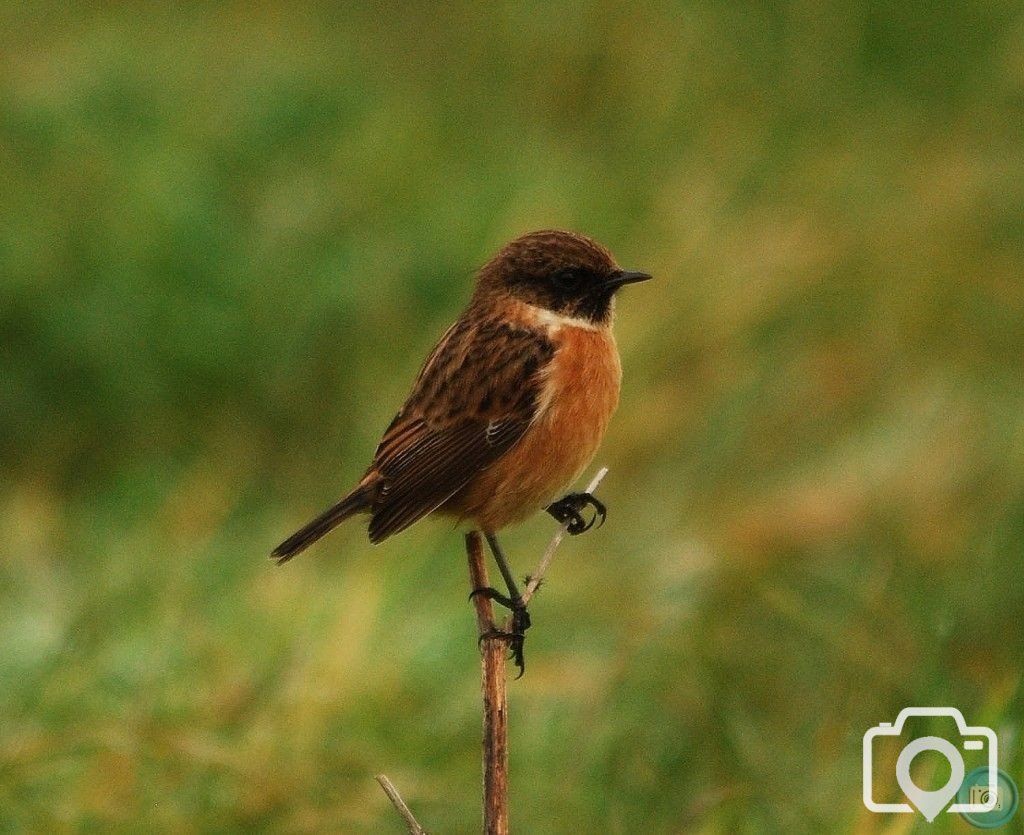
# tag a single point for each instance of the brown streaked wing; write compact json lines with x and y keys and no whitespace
{"x":474,"y":399}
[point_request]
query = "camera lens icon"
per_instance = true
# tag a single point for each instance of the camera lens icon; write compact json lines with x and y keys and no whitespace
{"x":931,"y":803}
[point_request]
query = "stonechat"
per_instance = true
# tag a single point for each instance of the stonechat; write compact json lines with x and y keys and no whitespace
{"x":508,"y":409}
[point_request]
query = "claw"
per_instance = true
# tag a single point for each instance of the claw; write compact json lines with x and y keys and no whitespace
{"x":567,"y":510}
{"x":495,"y":595}
{"x":516,"y":638}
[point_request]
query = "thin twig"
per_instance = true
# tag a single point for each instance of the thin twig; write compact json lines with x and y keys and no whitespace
{"x":478,"y":580}
{"x":399,"y":804}
{"x":492,"y":663}
{"x":495,"y":697}
{"x":538,"y":575}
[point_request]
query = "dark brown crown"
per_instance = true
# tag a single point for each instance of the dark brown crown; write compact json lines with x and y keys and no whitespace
{"x":564,"y":272}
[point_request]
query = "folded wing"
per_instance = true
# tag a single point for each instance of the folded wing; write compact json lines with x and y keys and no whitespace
{"x":474,"y":399}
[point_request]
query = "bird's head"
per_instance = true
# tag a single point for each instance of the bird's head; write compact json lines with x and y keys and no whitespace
{"x":563,"y":272}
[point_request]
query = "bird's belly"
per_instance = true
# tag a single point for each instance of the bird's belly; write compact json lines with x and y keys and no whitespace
{"x":577,"y":401}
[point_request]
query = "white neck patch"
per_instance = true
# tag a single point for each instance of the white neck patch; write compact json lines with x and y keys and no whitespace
{"x":555,"y":321}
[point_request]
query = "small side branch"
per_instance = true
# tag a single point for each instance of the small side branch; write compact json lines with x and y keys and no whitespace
{"x":399,"y":804}
{"x":495,"y":698}
{"x":549,"y":554}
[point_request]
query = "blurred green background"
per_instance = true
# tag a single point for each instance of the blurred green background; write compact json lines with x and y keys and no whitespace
{"x":230,"y":232}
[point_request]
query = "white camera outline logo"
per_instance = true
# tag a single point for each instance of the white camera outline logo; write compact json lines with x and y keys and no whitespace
{"x":965,"y":730}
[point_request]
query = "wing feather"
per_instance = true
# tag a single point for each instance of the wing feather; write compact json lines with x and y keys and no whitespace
{"x":474,"y":399}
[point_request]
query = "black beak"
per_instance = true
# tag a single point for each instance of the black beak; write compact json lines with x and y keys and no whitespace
{"x":617,"y":280}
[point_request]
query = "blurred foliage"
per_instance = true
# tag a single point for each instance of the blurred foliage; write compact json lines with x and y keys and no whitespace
{"x":230,"y":232}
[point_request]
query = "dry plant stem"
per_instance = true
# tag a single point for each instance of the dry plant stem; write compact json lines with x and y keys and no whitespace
{"x":399,"y":804}
{"x":538,"y":575}
{"x":493,"y":652}
{"x":492,"y":662}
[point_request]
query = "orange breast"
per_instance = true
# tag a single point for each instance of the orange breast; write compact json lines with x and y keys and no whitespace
{"x":579,"y":397}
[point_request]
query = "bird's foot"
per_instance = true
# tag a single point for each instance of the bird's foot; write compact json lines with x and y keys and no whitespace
{"x":516,"y":636}
{"x":570,"y":509}
{"x":495,"y":595}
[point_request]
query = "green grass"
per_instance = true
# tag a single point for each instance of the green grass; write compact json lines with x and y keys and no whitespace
{"x":228,"y":235}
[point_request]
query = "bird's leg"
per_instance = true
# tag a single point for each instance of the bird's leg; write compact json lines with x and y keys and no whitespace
{"x":570,"y":509}
{"x":506,"y":573}
{"x":514,"y":602}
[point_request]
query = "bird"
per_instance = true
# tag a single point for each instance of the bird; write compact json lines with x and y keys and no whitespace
{"x":507,"y":410}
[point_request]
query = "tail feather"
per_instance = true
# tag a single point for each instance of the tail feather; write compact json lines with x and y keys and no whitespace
{"x":354,"y":502}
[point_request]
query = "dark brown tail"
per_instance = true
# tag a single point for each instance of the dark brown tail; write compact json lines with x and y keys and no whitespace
{"x":357,"y":500}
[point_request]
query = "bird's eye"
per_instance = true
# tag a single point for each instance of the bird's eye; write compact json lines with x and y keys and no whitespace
{"x":568,"y":279}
